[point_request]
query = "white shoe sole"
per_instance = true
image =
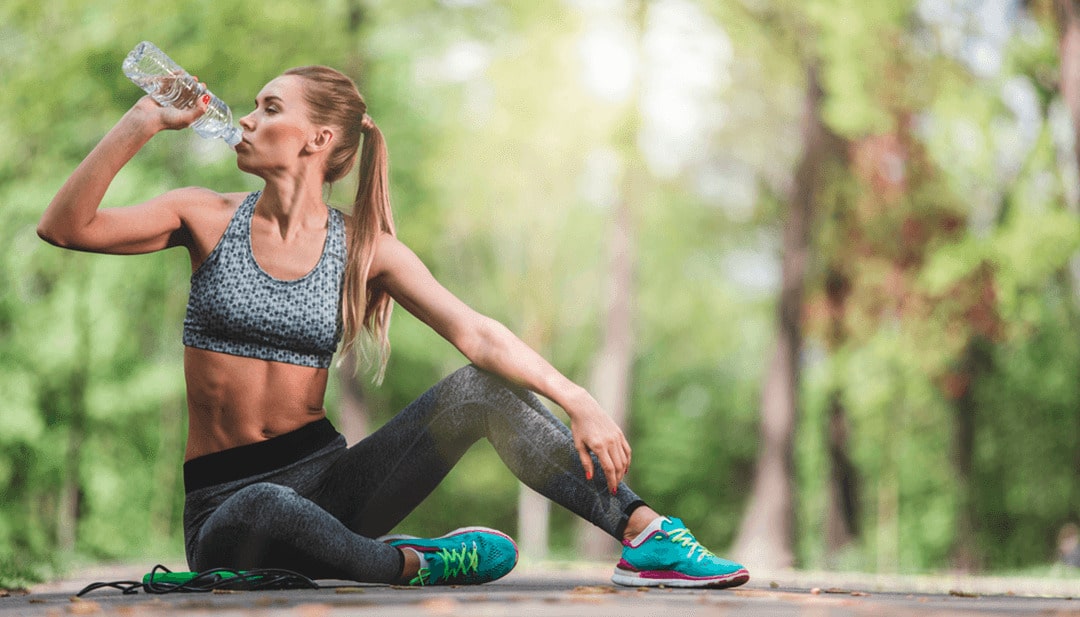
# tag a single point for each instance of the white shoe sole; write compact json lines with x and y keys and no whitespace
{"x":630,"y":578}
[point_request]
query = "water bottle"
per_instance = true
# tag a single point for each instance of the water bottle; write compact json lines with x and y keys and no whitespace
{"x":170,"y":85}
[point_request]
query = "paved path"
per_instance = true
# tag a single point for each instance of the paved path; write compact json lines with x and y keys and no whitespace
{"x":581,"y":590}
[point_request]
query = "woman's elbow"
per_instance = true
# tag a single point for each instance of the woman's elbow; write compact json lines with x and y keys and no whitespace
{"x":481,"y":341}
{"x":57,"y":235}
{"x":50,"y":234}
{"x":58,"y":230}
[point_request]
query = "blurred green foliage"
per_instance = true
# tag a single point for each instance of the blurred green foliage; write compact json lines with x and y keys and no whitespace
{"x":494,"y":134}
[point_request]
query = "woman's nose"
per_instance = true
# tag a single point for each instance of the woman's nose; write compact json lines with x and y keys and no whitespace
{"x":245,"y":122}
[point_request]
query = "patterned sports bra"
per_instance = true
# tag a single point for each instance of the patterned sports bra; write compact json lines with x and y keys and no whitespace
{"x":236,"y":308}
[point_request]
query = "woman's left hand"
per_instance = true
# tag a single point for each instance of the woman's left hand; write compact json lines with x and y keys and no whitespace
{"x":595,"y":431}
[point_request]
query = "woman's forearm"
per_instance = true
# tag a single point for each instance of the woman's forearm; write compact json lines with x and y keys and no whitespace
{"x":500,"y":351}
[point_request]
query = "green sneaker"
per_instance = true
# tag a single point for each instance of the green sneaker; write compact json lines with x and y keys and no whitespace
{"x":466,"y":556}
{"x":670,"y":555}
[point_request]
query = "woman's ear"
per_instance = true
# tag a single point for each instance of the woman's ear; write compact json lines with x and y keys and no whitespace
{"x":321,"y":140}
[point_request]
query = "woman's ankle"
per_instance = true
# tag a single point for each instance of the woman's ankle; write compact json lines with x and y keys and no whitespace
{"x":410,"y":565}
{"x":638,"y":521}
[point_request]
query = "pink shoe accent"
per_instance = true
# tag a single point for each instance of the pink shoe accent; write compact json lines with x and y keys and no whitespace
{"x":669,"y":575}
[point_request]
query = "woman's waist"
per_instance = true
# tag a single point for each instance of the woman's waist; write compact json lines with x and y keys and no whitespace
{"x":224,"y":428}
{"x":259,"y":457}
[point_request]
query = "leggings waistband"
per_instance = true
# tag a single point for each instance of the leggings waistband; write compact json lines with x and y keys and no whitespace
{"x":259,"y":457}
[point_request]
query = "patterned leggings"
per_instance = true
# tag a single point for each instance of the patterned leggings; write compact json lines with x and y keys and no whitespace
{"x":318,"y":513}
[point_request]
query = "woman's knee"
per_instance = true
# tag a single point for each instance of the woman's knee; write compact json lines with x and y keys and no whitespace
{"x":470,"y":382}
{"x":257,"y":499}
{"x":473,"y":384}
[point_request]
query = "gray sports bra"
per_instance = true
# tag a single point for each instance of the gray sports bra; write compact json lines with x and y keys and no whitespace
{"x":236,"y":308}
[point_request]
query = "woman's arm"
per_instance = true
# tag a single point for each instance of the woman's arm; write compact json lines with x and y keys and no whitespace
{"x":492,"y":347}
{"x":73,"y":220}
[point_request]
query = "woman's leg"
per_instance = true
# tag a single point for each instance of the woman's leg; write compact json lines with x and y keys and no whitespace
{"x":266,"y":525}
{"x":401,"y":463}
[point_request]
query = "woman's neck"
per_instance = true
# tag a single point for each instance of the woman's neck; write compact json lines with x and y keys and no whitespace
{"x":292,"y":204}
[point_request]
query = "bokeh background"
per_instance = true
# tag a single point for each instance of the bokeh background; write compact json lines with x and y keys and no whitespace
{"x":820,"y":257}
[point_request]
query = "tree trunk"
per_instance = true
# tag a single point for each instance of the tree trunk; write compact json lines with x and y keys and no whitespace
{"x":977,"y":361}
{"x":766,"y":535}
{"x":842,"y":506}
{"x":67,"y":512}
{"x":842,"y":490}
{"x":610,"y":381}
{"x":68,"y":507}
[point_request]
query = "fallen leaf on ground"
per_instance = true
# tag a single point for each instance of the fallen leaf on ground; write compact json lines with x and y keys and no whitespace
{"x":593,"y":589}
{"x":79,"y":606}
{"x":956,"y":593}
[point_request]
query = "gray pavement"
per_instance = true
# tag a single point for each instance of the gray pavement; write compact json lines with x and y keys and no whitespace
{"x":578,"y":590}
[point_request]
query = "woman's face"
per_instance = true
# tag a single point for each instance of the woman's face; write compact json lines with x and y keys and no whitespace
{"x":276,"y":132}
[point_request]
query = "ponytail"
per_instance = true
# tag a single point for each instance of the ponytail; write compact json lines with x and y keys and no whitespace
{"x":365,"y":309}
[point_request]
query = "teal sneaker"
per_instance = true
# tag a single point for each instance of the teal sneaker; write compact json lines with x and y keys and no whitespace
{"x":466,"y":556}
{"x":671,"y":556}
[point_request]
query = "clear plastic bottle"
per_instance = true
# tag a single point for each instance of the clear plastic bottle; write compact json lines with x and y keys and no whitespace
{"x":170,"y":85}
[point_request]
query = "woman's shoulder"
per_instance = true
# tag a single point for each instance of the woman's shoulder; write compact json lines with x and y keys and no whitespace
{"x":201,"y":197}
{"x":391,"y":256}
{"x":197,"y":204}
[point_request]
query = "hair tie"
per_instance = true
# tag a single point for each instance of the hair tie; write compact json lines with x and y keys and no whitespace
{"x":366,"y":123}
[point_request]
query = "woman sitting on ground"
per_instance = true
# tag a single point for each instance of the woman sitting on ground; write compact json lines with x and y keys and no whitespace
{"x":279,"y":279}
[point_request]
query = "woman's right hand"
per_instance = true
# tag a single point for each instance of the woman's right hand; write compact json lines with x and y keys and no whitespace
{"x":171,"y":118}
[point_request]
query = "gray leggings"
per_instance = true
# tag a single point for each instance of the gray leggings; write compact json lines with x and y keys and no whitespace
{"x":317,"y":514}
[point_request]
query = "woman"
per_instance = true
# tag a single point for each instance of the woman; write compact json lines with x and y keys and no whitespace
{"x":279,"y":278}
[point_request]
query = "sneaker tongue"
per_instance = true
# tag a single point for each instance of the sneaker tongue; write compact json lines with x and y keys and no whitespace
{"x":657,"y":524}
{"x":674,"y":523}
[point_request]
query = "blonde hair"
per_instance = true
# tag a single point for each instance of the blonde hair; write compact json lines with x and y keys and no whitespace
{"x":335,"y":101}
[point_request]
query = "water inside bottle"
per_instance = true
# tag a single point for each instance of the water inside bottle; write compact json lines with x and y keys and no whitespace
{"x":179,"y":91}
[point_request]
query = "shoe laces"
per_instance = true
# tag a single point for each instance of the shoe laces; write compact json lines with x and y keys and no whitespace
{"x":454,"y":563}
{"x":683,"y":537}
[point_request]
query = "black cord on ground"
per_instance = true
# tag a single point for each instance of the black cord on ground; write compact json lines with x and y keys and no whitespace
{"x":209,"y":580}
